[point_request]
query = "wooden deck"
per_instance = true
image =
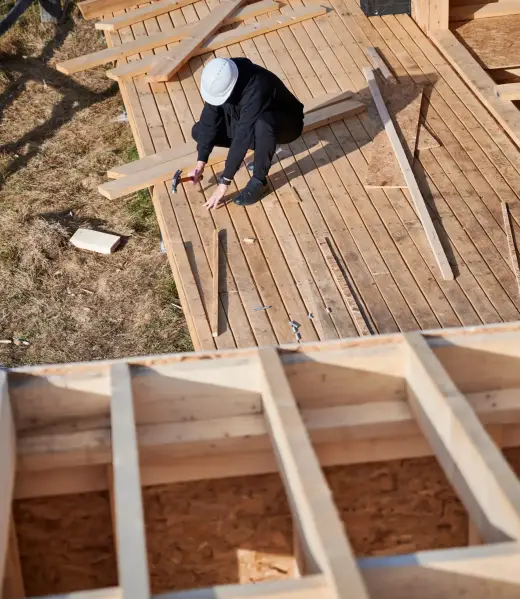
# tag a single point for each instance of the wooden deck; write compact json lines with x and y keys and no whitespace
{"x":376,"y":232}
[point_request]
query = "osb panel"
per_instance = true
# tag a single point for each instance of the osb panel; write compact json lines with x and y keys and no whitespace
{"x":495,"y":41}
{"x":404,"y":105}
{"x":232,"y":530}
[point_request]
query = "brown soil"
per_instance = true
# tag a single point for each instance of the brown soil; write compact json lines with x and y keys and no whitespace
{"x":58,"y":136}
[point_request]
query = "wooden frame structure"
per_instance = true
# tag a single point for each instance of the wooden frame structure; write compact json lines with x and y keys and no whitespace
{"x":434,"y":17}
{"x":144,"y":421}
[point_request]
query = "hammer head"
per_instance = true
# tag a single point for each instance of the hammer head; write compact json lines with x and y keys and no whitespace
{"x":175,"y":180}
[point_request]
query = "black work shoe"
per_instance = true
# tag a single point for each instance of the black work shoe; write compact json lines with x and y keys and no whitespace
{"x":252,"y":192}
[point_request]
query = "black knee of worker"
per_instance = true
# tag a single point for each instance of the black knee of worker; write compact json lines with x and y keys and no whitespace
{"x":195,"y":132}
{"x":265,"y":126}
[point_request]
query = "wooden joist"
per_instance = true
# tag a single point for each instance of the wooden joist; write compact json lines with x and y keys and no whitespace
{"x":483,"y":11}
{"x":168,"y":63}
{"x":325,"y":545}
{"x":132,"y":558}
{"x":513,"y":254}
{"x":7,"y":469}
{"x":227,"y":38}
{"x":420,"y":205}
{"x":149,"y":42}
{"x":478,"y":80}
{"x":473,"y":464}
{"x":164,"y":170}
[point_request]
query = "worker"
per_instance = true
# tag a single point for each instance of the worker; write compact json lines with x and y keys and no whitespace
{"x":246,"y":107}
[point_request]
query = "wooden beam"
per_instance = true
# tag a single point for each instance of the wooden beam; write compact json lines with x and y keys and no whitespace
{"x":168,"y":63}
{"x":484,"y":11}
{"x":227,"y":38}
{"x":132,"y":557}
{"x":439,"y":11}
{"x":378,"y":63}
{"x":513,"y":254}
{"x":164,"y":171}
{"x":158,"y":8}
{"x":216,"y":272}
{"x":90,"y":9}
{"x":324,"y":543}
{"x":473,"y":464}
{"x":7,"y":468}
{"x":415,"y":193}
{"x":508,"y":91}
{"x":149,"y":42}
{"x":505,"y":112}
{"x":338,"y":272}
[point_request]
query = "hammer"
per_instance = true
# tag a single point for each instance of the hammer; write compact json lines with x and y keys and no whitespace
{"x":178,"y":179}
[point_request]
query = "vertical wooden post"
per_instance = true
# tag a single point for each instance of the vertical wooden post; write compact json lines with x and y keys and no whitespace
{"x":132,"y":557}
{"x":431,"y":14}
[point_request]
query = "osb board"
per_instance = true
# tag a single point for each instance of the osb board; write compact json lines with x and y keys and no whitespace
{"x":495,"y":41}
{"x":404,"y":105}
{"x":235,"y":530}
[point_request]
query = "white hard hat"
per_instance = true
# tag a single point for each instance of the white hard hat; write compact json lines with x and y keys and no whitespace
{"x":218,"y":80}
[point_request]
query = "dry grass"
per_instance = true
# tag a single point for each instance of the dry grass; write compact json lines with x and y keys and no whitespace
{"x":58,"y":136}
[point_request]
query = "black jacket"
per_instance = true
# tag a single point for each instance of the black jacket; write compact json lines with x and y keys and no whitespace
{"x":257,"y":90}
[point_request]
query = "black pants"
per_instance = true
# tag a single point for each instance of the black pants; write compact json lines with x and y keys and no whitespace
{"x":271,"y":129}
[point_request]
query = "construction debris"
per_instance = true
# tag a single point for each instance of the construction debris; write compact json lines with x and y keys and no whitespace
{"x":95,"y":241}
{"x":249,"y":240}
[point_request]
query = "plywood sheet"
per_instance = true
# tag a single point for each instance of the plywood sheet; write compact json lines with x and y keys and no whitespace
{"x":404,"y":104}
{"x":495,"y":41}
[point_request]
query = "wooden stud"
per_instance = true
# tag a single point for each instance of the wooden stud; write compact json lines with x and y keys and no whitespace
{"x":439,"y":11}
{"x":379,"y":63}
{"x":326,"y":100}
{"x":131,"y":537}
{"x":216,"y":287}
{"x":511,"y":243}
{"x":338,"y":272}
{"x":324,"y":543}
{"x":7,"y":468}
{"x":170,"y":62}
{"x":473,"y":464}
{"x":508,"y":91}
{"x":484,"y":11}
{"x":420,"y":205}
{"x":227,"y":38}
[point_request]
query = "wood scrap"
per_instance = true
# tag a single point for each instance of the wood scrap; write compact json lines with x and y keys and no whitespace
{"x":215,"y":298}
{"x":378,"y":63}
{"x":515,"y":265}
{"x":495,"y":40}
{"x":227,"y":38}
{"x":165,"y":67}
{"x":163,"y":171}
{"x":484,"y":11}
{"x":404,"y":104}
{"x":156,"y":40}
{"x":338,"y":272}
{"x":415,"y":193}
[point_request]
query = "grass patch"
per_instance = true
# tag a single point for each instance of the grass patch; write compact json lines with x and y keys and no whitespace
{"x":142,"y":212}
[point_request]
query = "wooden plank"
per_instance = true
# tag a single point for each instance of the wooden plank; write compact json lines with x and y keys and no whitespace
{"x":326,"y":100}
{"x":484,"y":11}
{"x":422,"y":210}
{"x":159,"y":8}
{"x":325,"y":545}
{"x":473,"y":464}
{"x":515,"y":265}
{"x":132,"y":558}
{"x":404,"y":105}
{"x":13,"y":587}
{"x":164,"y":170}
{"x":378,"y":63}
{"x":170,"y":62}
{"x":7,"y":468}
{"x":215,"y":298}
{"x":508,"y":91}
{"x":351,"y":301}
{"x":90,"y":9}
{"x":495,"y":40}
{"x":234,"y":36}
{"x":438,"y":14}
{"x":149,"y":42}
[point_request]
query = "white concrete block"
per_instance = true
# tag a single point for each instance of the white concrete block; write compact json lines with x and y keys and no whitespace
{"x":95,"y":241}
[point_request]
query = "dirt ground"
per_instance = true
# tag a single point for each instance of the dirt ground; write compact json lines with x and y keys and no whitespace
{"x":58,"y":136}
